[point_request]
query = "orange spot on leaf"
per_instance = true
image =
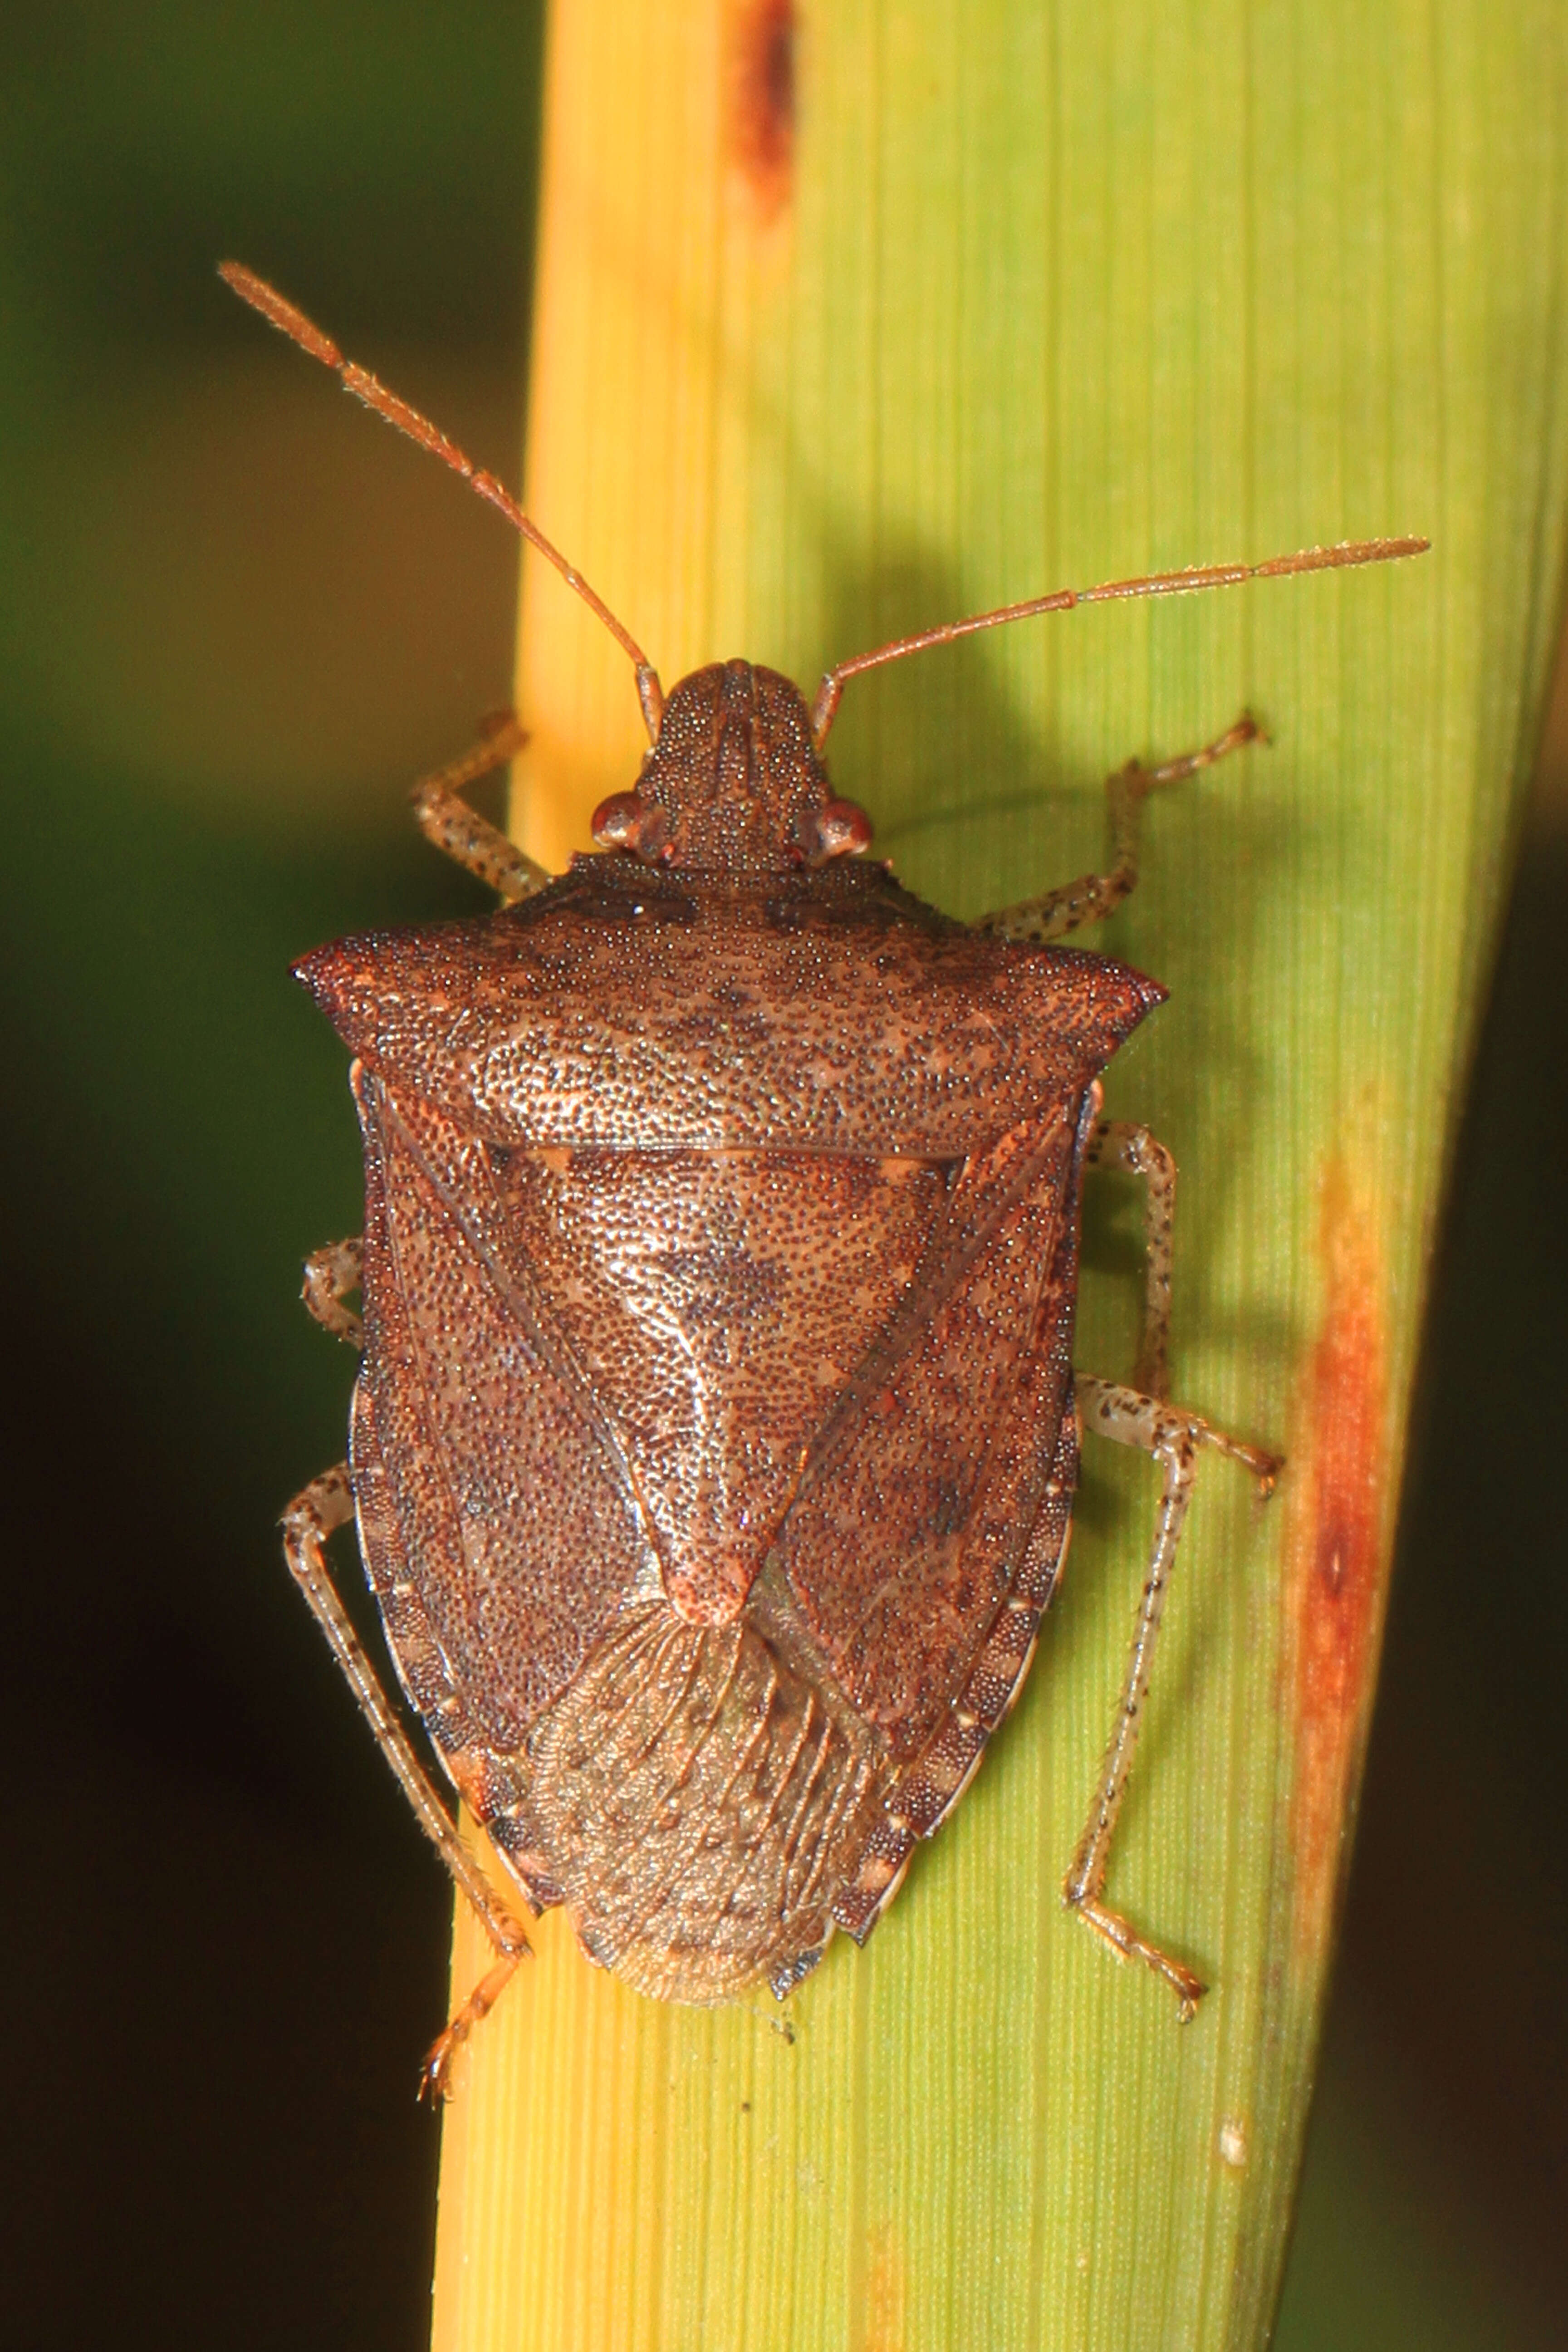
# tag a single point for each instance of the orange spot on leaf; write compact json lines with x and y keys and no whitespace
{"x":1337,"y":1543}
{"x":761,"y":100}
{"x":884,"y":2294}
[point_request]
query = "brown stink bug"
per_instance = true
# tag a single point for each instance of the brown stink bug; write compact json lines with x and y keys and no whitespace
{"x":716,"y":1432}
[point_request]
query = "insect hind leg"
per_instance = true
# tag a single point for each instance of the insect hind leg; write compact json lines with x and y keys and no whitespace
{"x":1094,"y":895}
{"x":445,"y":818}
{"x":1175,"y":1439}
{"x":311,"y":1518}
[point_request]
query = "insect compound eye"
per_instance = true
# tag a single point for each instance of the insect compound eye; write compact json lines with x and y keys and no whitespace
{"x":842,"y":830}
{"x":625,"y":821}
{"x":615,"y":824}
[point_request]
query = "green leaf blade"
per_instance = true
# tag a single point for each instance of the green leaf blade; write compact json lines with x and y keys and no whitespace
{"x":1060,"y":295}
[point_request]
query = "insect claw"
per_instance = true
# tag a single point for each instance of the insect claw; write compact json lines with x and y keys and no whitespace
{"x":1264,"y":1467}
{"x":1121,"y":1937}
{"x":497,"y":726}
{"x":435,"y":2073}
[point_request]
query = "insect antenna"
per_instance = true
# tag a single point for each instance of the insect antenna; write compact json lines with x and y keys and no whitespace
{"x":1062,"y":600}
{"x":399,"y":412}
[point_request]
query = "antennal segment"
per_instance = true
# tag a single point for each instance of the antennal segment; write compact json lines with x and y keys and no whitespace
{"x":1062,"y":600}
{"x":396,"y":411}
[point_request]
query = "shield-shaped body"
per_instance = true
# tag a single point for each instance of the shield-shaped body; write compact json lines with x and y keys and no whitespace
{"x":713,"y":1449}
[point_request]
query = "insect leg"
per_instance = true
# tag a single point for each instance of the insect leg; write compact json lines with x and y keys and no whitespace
{"x":1116,"y":1144}
{"x":329,"y":1275}
{"x":1174,"y":1438}
{"x":1094,"y":895}
{"x":327,"y":1504}
{"x":444,"y":817}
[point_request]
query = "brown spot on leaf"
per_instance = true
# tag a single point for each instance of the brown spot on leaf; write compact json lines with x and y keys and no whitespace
{"x":1336,"y":1561}
{"x":761,"y":100}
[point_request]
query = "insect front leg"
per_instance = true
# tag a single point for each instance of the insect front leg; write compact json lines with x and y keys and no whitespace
{"x":1175,"y":1439}
{"x":325,"y":1504}
{"x":1094,"y":895}
{"x":1116,"y":1143}
{"x":329,"y":1275}
{"x":445,"y":818}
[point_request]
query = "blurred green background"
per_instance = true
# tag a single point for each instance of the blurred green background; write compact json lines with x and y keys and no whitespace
{"x":237,"y":620}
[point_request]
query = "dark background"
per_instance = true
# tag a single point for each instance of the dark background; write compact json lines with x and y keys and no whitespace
{"x":237,"y":621}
